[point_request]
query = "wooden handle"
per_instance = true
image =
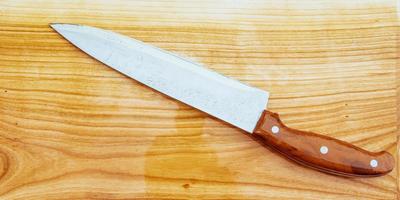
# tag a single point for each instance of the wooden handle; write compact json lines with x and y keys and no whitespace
{"x":321,"y":152}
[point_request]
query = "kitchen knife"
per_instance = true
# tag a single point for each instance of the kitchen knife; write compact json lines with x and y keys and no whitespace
{"x":224,"y":98}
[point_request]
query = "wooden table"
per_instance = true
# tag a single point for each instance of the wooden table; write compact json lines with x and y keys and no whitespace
{"x":72,"y":128}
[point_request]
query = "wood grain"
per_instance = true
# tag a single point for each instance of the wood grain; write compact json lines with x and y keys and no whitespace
{"x":71,"y":128}
{"x":398,"y":112}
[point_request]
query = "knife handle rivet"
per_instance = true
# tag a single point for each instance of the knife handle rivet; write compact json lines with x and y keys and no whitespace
{"x":324,"y":149}
{"x":275,"y":129}
{"x":373,"y":163}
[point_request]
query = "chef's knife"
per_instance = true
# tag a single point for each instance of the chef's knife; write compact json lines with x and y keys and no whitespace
{"x":224,"y":98}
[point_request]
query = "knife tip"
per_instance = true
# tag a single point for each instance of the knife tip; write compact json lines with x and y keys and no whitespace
{"x":55,"y":25}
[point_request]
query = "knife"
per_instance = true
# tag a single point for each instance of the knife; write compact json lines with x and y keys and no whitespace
{"x":241,"y":105}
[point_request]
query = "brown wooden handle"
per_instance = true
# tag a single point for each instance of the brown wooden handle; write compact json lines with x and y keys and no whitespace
{"x":321,"y":152}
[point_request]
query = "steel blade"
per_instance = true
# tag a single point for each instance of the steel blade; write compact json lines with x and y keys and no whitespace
{"x":184,"y":80}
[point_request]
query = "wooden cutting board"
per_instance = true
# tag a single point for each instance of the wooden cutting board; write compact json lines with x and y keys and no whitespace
{"x":72,"y":128}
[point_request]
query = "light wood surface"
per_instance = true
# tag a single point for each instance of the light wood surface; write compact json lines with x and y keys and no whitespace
{"x":398,"y":116}
{"x":72,"y":128}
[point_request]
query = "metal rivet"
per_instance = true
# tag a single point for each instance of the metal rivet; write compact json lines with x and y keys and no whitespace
{"x":373,"y":163}
{"x":324,"y":150}
{"x":275,"y":129}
